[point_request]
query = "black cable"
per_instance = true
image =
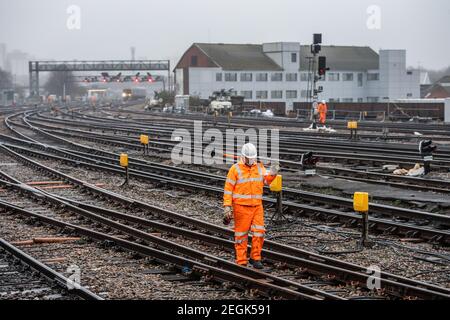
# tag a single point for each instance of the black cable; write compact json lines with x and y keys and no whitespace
{"x":419,"y":251}
{"x":422,"y":272}
{"x":290,"y":236}
{"x":358,"y":248}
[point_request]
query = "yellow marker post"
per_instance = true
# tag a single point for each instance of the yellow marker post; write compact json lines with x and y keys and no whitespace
{"x":277,"y":187}
{"x":124,"y":163}
{"x":353,"y":126}
{"x":124,"y":160}
{"x":144,"y":141}
{"x":361,"y":205}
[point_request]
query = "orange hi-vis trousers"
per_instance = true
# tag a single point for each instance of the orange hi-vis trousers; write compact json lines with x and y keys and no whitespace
{"x":323,"y":117}
{"x":248,"y":219}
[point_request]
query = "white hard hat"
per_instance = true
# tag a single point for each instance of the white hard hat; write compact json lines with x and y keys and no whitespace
{"x":323,"y":101}
{"x":249,"y":151}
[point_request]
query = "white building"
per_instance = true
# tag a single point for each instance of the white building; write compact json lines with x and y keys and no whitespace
{"x":277,"y":73}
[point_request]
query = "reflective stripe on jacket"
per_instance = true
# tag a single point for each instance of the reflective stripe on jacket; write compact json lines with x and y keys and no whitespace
{"x":244,"y":184}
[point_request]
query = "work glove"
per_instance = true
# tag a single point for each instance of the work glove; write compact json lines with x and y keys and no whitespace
{"x":227,"y":215}
{"x":274,"y":169}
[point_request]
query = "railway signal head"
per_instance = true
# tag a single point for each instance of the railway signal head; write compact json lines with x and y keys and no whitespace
{"x":317,"y":38}
{"x":323,"y":66}
{"x":315,"y":48}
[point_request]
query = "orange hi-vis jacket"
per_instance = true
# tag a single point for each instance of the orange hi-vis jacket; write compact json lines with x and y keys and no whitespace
{"x":244,"y":184}
{"x":322,"y":108}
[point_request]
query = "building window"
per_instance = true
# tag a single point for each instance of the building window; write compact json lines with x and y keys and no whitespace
{"x":305,"y":77}
{"x":334,"y":100}
{"x":347,"y":77}
{"x":291,"y":94}
{"x":291,"y":76}
{"x":218,"y":76}
{"x":261,"y":77}
{"x":293,"y":57}
{"x":276,"y":94}
{"x":305,"y":93}
{"x":409,"y":73}
{"x":261,"y":94}
{"x":230,"y":77}
{"x":409,"y":95}
{"x":194,"y":61}
{"x":372,"y":99}
{"x":246,"y":77}
{"x":333,"y":76}
{"x":233,"y":93}
{"x":373,"y":76}
{"x":247,"y":94}
{"x":360,"y":99}
{"x":360,"y":80}
{"x":276,"y":76}
{"x":348,"y":100}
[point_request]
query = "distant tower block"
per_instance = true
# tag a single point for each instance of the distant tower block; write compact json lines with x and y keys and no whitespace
{"x":133,"y":53}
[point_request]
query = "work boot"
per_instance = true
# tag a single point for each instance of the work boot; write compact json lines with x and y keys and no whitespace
{"x":256,"y":264}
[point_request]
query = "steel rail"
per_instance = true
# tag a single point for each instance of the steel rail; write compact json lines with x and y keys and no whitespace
{"x":287,"y":153}
{"x":48,"y":273}
{"x":165,"y":212}
{"x":279,"y":257}
{"x":384,"y":225}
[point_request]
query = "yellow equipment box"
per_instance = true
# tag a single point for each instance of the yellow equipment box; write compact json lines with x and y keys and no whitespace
{"x":277,"y":184}
{"x":124,"y":160}
{"x":361,"y":201}
{"x":352,"y":125}
{"x":144,"y":139}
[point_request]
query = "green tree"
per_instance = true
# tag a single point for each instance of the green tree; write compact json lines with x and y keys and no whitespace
{"x":166,"y":96}
{"x":194,"y":101}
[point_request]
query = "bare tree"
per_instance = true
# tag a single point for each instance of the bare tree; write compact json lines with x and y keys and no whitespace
{"x":5,"y":80}
{"x":58,"y":81}
{"x":436,"y":75}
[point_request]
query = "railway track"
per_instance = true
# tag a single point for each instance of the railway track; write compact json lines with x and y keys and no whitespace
{"x":192,"y":267}
{"x":70,"y":153}
{"x":293,"y":138}
{"x":420,"y":184}
{"x":271,"y":255}
{"x":326,"y":150}
{"x":397,"y":127}
{"x":192,"y":258}
{"x":412,"y":223}
{"x":25,"y":278}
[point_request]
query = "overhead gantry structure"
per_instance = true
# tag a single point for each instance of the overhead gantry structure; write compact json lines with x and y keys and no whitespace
{"x":36,"y":67}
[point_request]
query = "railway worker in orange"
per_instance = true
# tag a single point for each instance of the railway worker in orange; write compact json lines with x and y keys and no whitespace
{"x":322,"y":109}
{"x":242,"y":200}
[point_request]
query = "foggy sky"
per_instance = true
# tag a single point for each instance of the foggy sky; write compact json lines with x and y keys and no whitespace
{"x":163,"y":29}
